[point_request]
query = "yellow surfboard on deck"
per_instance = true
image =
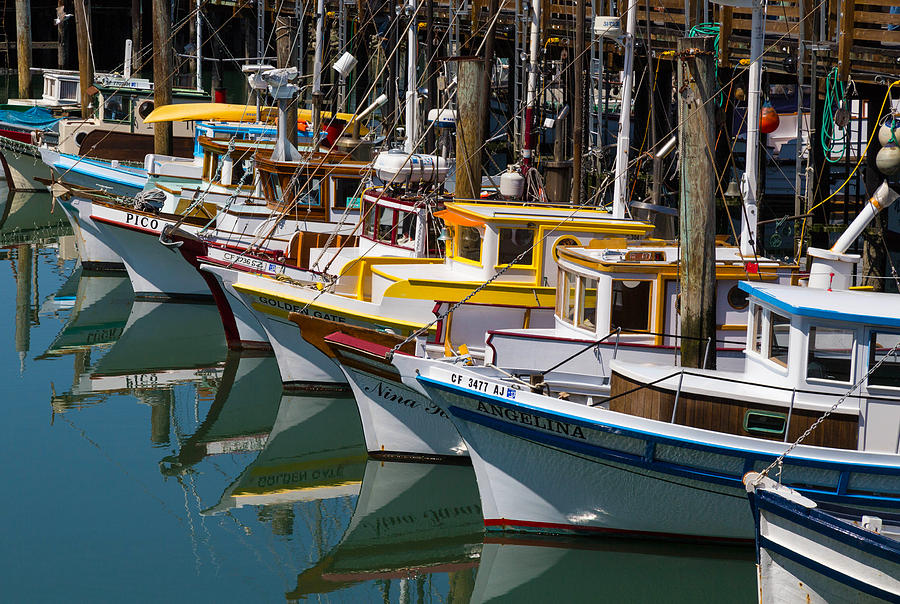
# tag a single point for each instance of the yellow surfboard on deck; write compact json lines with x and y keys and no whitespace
{"x":226,"y":112}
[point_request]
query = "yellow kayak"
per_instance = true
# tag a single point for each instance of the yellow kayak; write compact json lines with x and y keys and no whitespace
{"x":224,"y":112}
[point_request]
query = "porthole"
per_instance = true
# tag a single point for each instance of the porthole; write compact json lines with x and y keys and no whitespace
{"x":563,"y":241}
{"x":145,"y":108}
{"x":738,"y":298}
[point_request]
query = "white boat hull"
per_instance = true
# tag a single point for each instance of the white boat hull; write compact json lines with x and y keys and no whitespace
{"x":399,"y":420}
{"x":809,"y":555}
{"x":156,"y":271}
{"x":547,"y":465}
{"x":21,"y":168}
{"x":95,"y":254}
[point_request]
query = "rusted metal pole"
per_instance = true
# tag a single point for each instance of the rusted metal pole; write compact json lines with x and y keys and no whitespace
{"x":698,"y":207}
{"x":287,"y":58}
{"x":23,"y":47}
{"x":162,"y":74}
{"x":470,"y":97}
{"x":85,"y":66}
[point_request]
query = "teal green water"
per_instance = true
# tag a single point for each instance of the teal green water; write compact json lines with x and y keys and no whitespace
{"x":146,"y":463}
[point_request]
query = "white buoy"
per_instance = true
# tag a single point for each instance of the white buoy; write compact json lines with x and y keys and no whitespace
{"x":884,"y":130}
{"x":888,"y":159}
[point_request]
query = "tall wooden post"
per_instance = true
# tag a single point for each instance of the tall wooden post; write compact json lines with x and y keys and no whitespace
{"x":162,"y":74}
{"x":578,"y":107}
{"x":136,"y":14}
{"x":23,"y":47}
{"x":698,"y":207}
{"x":287,"y":58}
{"x":470,"y":96}
{"x":85,"y":66}
{"x":60,"y":34}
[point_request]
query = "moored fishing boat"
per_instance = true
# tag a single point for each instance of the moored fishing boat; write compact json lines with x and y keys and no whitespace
{"x":820,"y":365}
{"x":813,"y":553}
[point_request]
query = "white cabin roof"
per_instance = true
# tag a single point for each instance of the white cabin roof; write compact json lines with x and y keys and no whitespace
{"x":871,"y":308}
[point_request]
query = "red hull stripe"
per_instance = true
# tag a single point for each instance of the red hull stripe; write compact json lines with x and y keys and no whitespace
{"x":550,"y":527}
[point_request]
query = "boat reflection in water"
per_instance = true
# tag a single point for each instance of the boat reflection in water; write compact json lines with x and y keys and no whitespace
{"x":144,"y":348}
{"x":30,"y":218}
{"x":240,"y":416}
{"x":412,"y":521}
{"x":314,"y":452}
{"x":519,"y":568}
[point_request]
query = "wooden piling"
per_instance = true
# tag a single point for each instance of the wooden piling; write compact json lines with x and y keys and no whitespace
{"x":287,"y":58}
{"x":698,"y":208}
{"x":136,"y":15}
{"x":23,"y":47}
{"x":85,"y":66}
{"x":162,"y":74}
{"x":470,"y":95}
{"x":578,"y":107}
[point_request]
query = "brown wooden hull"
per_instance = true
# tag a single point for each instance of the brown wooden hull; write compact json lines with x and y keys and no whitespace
{"x":726,"y":415}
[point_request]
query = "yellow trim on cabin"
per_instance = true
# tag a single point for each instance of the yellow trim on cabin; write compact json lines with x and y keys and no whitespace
{"x":498,"y":293}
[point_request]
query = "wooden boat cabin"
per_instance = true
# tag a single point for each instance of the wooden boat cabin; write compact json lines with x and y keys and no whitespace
{"x":806,"y":348}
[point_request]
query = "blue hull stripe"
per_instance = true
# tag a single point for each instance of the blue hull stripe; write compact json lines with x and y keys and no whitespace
{"x":644,"y":462}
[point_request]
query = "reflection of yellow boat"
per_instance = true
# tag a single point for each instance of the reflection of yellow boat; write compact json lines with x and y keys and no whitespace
{"x":188,"y":112}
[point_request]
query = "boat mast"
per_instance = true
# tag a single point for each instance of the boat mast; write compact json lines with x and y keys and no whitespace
{"x":531,"y":91}
{"x":751,"y":179}
{"x":199,"y":43}
{"x":412,"y":124}
{"x":623,"y":142}
{"x":317,"y":69}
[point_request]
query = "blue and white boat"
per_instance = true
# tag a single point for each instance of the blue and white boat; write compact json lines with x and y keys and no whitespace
{"x":665,"y":454}
{"x":807,"y":552}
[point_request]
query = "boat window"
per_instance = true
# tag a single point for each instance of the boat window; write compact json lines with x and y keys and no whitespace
{"x":768,"y":423}
{"x":756,"y":345}
{"x":779,"y":337}
{"x":238,"y":169}
{"x":304,"y":191}
{"x":346,"y":192}
{"x":830,"y":354}
{"x":565,"y":296}
{"x":630,"y":305}
{"x":888,"y":373}
{"x":406,"y":229}
{"x":116,"y":108}
{"x":514,"y":242}
{"x":587,"y":305}
{"x":371,"y":219}
{"x":468,"y":244}
{"x":386,"y":225}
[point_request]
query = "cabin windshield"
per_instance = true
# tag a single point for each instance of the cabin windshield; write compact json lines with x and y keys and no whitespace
{"x":630,"y":305}
{"x":468,"y":243}
{"x":390,"y":225}
{"x":779,"y":338}
{"x":346,"y":193}
{"x":757,"y":329}
{"x":576,"y":300}
{"x":888,"y":373}
{"x":117,"y":108}
{"x":512,"y":243}
{"x":830,"y":354}
{"x":566,"y":294}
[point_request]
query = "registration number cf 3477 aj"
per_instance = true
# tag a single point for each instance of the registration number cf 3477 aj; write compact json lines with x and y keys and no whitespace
{"x":483,"y":386}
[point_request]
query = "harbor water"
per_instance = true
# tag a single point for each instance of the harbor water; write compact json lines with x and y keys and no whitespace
{"x":146,"y":462}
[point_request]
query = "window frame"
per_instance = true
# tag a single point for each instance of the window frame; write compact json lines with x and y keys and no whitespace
{"x":771,"y":339}
{"x":533,"y":246}
{"x":870,"y":355}
{"x":853,"y":349}
{"x":457,"y":247}
{"x":612,"y":301}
